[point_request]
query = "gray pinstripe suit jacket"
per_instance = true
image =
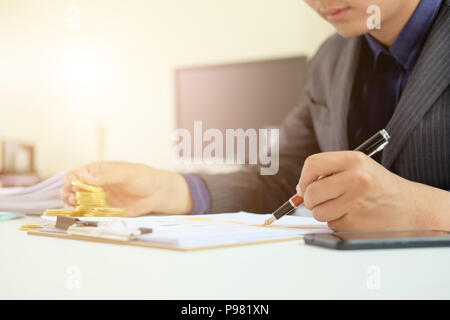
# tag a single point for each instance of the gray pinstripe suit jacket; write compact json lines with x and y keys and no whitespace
{"x":420,"y":127}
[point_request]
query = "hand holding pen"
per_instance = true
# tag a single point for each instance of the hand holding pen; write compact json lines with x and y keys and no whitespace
{"x":373,"y":145}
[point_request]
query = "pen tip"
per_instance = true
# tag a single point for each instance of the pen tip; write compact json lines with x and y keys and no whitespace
{"x":269,"y":221}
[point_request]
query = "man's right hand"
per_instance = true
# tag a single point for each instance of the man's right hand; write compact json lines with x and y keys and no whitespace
{"x":138,"y":188}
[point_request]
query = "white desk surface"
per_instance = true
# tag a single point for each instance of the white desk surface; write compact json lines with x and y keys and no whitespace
{"x":34,"y":267}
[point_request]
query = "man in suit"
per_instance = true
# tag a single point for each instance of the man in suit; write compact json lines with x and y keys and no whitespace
{"x":393,"y":74}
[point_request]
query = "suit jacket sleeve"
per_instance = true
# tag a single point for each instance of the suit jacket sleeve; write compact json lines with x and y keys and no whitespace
{"x":247,"y":189}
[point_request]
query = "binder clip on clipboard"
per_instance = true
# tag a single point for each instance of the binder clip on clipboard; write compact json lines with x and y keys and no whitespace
{"x":113,"y":230}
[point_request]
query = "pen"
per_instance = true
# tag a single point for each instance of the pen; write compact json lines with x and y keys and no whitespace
{"x":373,"y":145}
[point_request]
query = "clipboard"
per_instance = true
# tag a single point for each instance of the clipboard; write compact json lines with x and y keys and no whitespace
{"x":180,"y":232}
{"x":138,"y":243}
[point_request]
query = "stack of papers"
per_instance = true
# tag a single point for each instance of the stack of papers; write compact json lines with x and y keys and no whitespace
{"x":35,"y":199}
{"x":212,"y":230}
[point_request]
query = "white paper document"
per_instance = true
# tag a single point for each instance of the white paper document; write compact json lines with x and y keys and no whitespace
{"x":35,"y":199}
{"x":203,"y":231}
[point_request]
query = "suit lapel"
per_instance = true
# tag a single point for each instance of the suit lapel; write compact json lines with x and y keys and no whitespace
{"x":341,"y":92}
{"x":428,"y":80}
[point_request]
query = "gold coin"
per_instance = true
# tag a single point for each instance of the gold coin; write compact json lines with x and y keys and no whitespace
{"x":88,"y":215}
{"x":30,"y":227}
{"x":108,"y":212}
{"x":86,"y":187}
{"x":109,"y":209}
{"x":84,"y":197}
{"x":59,"y":212}
{"x":91,"y":196}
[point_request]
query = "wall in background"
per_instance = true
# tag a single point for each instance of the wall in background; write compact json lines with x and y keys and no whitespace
{"x":71,"y":85}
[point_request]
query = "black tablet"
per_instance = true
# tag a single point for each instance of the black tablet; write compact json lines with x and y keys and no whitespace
{"x":379,"y":239}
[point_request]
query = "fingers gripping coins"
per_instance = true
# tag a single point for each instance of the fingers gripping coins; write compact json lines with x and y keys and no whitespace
{"x":92,"y":202}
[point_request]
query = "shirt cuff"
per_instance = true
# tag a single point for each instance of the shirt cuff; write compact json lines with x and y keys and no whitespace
{"x":199,"y":193}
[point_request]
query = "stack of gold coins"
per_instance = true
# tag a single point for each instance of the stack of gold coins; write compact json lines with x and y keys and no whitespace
{"x":92,"y":202}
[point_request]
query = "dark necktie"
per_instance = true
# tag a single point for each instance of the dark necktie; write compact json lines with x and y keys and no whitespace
{"x":375,"y":95}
